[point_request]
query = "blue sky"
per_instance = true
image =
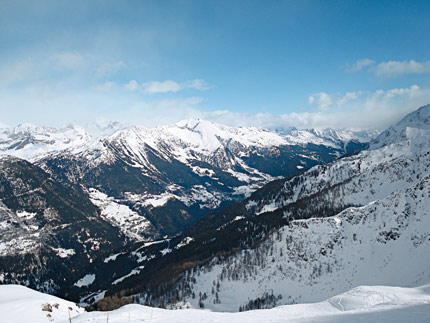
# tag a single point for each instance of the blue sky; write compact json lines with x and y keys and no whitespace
{"x":360,"y":64}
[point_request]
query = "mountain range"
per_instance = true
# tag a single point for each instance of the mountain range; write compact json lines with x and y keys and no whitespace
{"x":305,"y":238}
{"x":229,"y":219}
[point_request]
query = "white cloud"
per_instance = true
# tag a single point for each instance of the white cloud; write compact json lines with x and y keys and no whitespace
{"x":196,"y":84}
{"x":348,"y":97}
{"x":392,"y":69}
{"x":68,"y":60}
{"x":322,"y":100}
{"x":172,"y":86}
{"x":360,"y":64}
{"x":132,"y":86}
{"x":161,"y":87}
{"x":109,"y":69}
{"x":361,"y":110}
{"x":106,"y":86}
{"x":325,"y":101}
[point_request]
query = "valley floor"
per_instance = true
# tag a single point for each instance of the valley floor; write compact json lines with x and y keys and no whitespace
{"x":362,"y":304}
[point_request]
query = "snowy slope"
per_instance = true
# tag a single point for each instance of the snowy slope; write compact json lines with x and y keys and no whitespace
{"x":19,"y":304}
{"x":371,"y":174}
{"x":327,"y":137}
{"x":419,"y":119}
{"x":311,"y":260}
{"x":362,"y":304}
{"x":132,"y":224}
{"x":47,"y":228}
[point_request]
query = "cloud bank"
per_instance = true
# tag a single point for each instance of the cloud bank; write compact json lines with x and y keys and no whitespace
{"x":357,"y":110}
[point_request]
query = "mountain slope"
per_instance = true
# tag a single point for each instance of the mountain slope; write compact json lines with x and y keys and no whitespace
{"x":379,"y":200}
{"x":47,"y":228}
{"x":175,"y":174}
{"x":310,"y":260}
{"x":83,"y":199}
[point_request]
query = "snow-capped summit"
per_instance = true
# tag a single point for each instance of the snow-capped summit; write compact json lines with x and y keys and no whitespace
{"x":418,"y":119}
{"x":416,"y":123}
{"x":29,"y":141}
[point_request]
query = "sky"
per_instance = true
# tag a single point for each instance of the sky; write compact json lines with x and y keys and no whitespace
{"x":341,"y":64}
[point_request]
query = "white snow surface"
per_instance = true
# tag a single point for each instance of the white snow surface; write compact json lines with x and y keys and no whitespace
{"x":31,"y":142}
{"x":64,"y":253}
{"x":112,"y":257}
{"x":384,"y":242}
{"x":419,"y":119}
{"x":120,"y":215}
{"x":133,"y":272}
{"x":87,"y":280}
{"x":184,"y":242}
{"x":363,"y":304}
{"x":19,"y":304}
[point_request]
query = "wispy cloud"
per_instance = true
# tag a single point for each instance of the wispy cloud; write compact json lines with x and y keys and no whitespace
{"x":325,"y":101}
{"x":68,"y":60}
{"x":167,"y":86}
{"x":360,"y":64}
{"x":390,"y":69}
{"x":106,"y":86}
{"x":109,"y":69}
{"x":322,"y":100}
{"x":161,"y":87}
{"x":59,"y":67}
{"x":377,"y":109}
{"x":360,"y":110}
{"x":132,"y":86}
{"x":197,"y":84}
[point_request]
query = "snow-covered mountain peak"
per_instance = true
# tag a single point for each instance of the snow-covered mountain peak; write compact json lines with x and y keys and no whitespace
{"x":418,"y":119}
{"x":415,"y":124}
{"x":199,"y":132}
{"x":29,"y":141}
{"x":191,"y":123}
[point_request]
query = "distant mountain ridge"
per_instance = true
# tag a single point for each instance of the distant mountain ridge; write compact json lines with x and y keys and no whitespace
{"x":185,"y":169}
{"x":37,"y":140}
